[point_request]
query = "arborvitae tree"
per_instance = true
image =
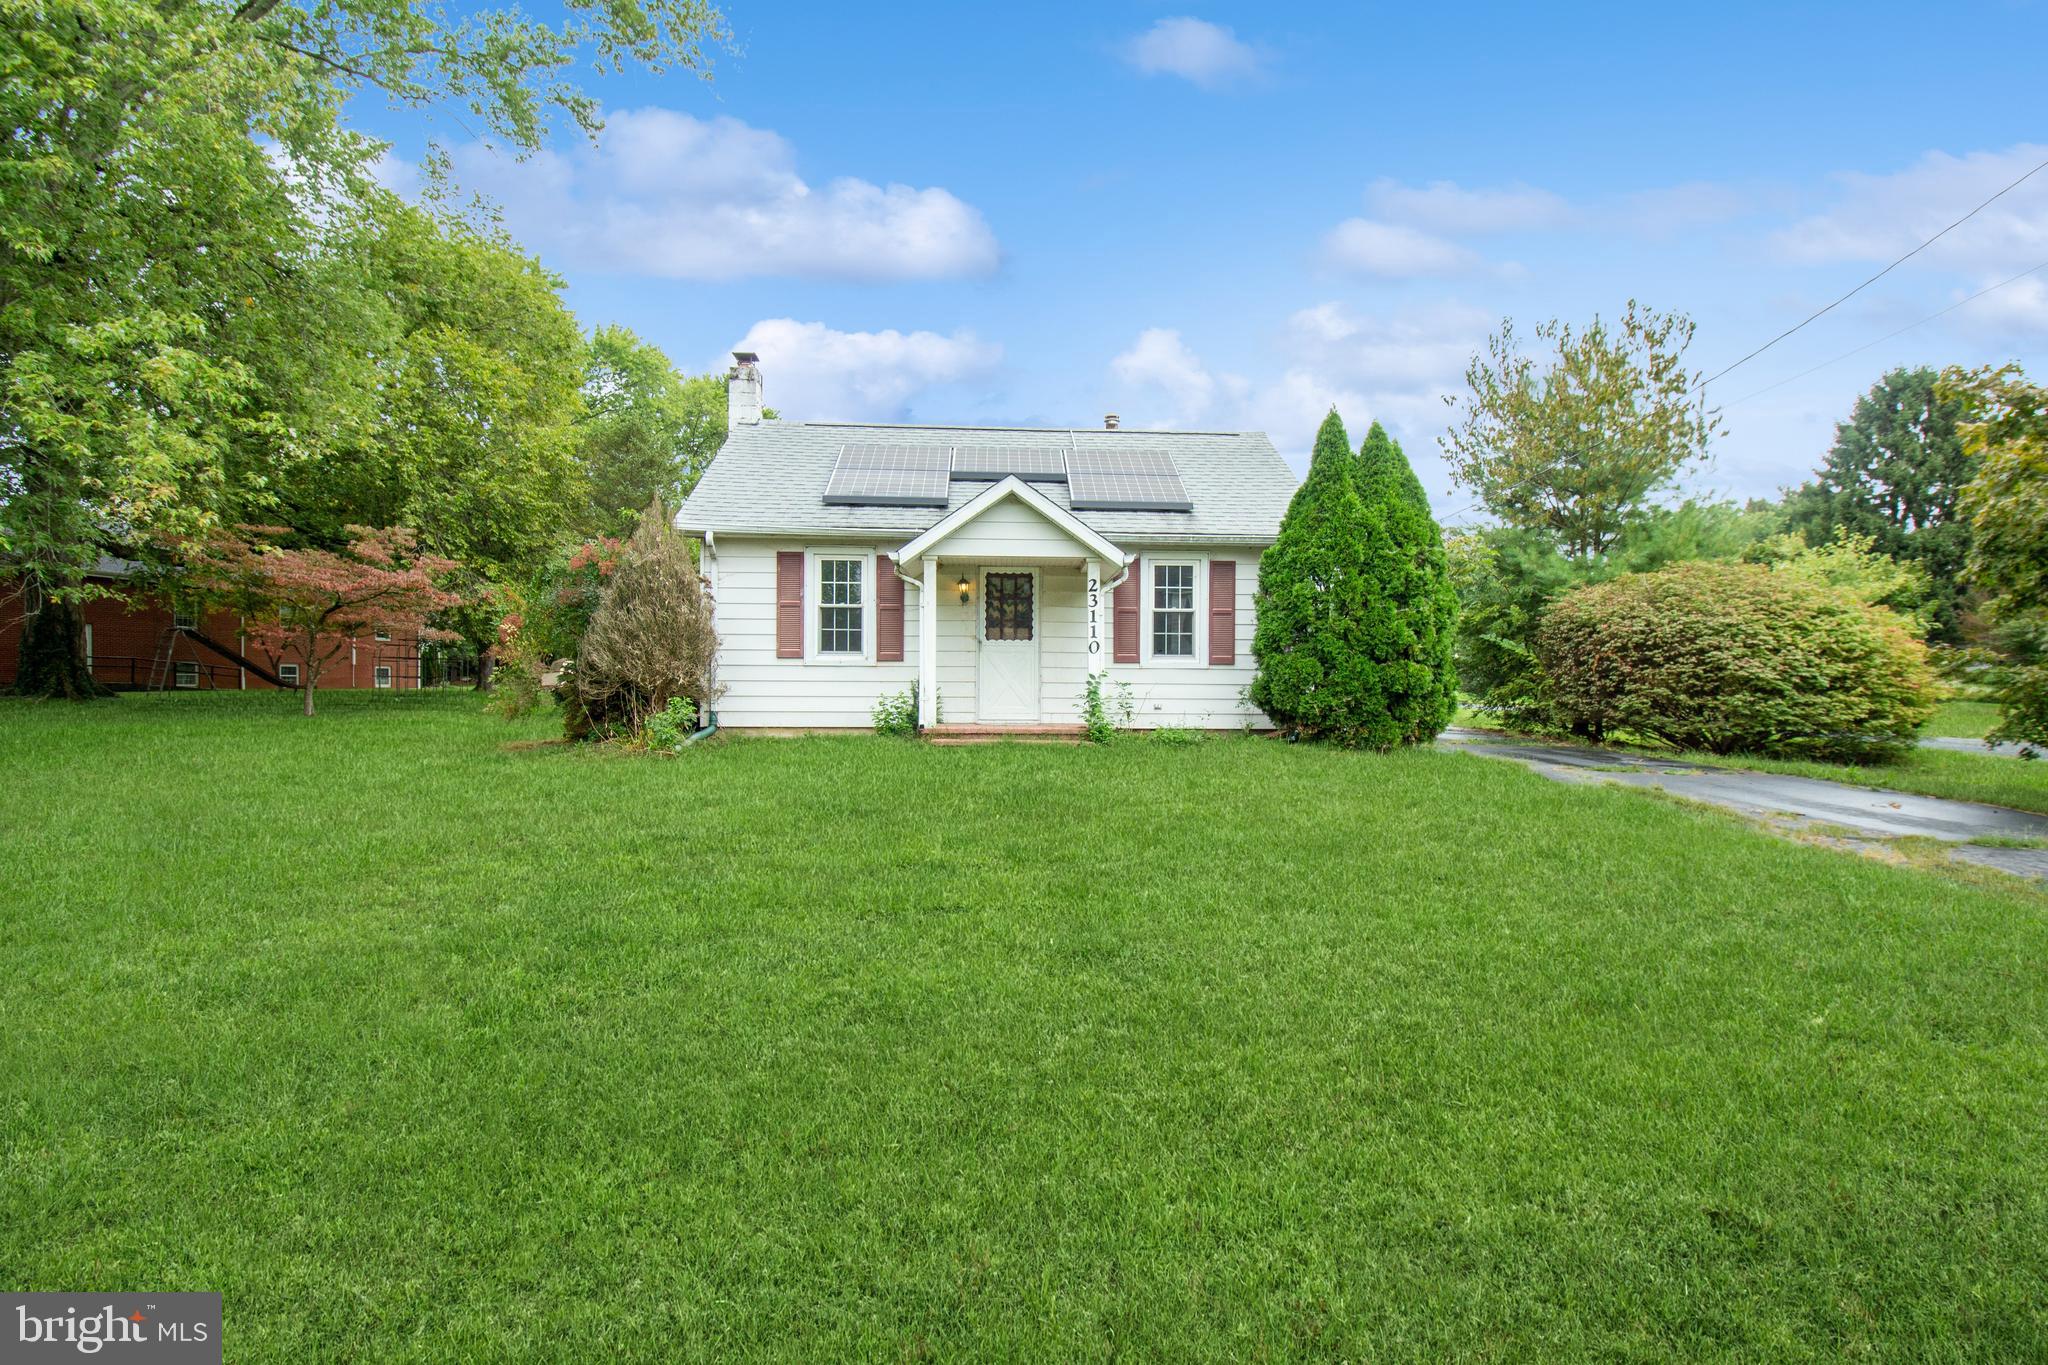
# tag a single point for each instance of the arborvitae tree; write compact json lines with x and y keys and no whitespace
{"x":1411,"y":577}
{"x":1894,"y":474}
{"x":1319,"y":615}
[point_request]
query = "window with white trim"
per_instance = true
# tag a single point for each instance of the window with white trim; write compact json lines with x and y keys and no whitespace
{"x":842,"y":603}
{"x":288,"y":674}
{"x":384,"y":635}
{"x":184,"y":620}
{"x":1173,"y":611}
{"x":187,"y":676}
{"x":382,"y":677}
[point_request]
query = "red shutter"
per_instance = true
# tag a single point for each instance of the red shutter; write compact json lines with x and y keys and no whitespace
{"x":1222,"y":611}
{"x":888,"y":612}
{"x":789,"y":604}
{"x":1124,"y":616}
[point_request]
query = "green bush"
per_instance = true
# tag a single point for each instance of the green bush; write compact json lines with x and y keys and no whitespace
{"x":1418,"y":679}
{"x":1732,"y":658}
{"x":667,"y":728}
{"x":895,"y":713}
{"x":1106,"y":708}
{"x":1355,"y":610}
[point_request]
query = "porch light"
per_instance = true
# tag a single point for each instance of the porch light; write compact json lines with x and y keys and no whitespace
{"x":966,"y":590}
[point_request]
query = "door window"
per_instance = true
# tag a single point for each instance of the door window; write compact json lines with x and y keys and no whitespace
{"x":1006,"y":607}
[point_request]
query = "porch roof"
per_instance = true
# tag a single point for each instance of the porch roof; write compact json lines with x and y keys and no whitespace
{"x":1048,"y":532}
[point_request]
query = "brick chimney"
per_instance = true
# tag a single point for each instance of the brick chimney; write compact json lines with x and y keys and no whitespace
{"x":743,"y":391}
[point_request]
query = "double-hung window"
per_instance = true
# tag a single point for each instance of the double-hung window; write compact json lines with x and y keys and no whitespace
{"x":382,"y":676}
{"x":288,"y":674}
{"x":1173,"y":611}
{"x":842,"y":604}
{"x":187,"y":675}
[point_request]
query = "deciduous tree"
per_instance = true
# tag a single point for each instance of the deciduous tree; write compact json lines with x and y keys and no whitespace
{"x":315,"y":603}
{"x":176,"y":336}
{"x":2007,"y":504}
{"x":1577,"y":445}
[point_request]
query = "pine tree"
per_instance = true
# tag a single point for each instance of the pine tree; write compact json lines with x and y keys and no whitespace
{"x":1412,"y":640}
{"x":1894,"y":473}
{"x":1318,"y":616}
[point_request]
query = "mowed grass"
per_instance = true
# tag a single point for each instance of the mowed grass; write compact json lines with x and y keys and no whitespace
{"x":417,"y":1048}
{"x":1961,"y":720}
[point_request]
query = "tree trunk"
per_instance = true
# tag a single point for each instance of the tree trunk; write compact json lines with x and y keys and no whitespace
{"x":307,"y":690}
{"x":486,"y":665}
{"x":52,"y":662}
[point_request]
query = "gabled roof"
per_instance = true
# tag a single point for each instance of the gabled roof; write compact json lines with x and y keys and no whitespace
{"x":1015,"y":489}
{"x":770,"y":477}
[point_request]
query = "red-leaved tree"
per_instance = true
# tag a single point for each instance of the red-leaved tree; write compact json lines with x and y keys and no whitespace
{"x":319,"y":602}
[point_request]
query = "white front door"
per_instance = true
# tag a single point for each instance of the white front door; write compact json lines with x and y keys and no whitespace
{"x":1006,"y":688}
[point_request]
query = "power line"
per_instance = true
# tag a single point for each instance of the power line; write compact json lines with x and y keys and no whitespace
{"x":1888,"y":336}
{"x":1880,"y":274}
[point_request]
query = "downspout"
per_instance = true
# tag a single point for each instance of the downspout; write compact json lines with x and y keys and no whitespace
{"x":710,"y":726}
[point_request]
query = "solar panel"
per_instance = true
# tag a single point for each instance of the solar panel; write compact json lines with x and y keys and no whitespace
{"x":873,"y":475}
{"x":1125,"y":481}
{"x":1040,"y":464}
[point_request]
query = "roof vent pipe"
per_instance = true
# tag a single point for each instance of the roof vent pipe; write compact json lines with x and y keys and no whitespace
{"x":1109,"y":421}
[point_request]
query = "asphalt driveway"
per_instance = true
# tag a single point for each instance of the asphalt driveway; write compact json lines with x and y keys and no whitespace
{"x":1793,"y":801}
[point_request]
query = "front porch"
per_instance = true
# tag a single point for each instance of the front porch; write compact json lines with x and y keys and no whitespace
{"x":1013,"y":616}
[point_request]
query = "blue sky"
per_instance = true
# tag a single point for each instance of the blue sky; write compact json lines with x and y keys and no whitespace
{"x":1233,"y":216}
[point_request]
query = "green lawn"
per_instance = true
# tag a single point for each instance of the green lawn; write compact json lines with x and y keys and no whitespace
{"x":1961,"y":720}
{"x":422,"y":1049}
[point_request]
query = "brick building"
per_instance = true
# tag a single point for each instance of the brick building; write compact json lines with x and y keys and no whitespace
{"x":138,"y":641}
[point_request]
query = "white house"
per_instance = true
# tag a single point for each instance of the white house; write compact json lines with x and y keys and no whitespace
{"x":995,"y":567}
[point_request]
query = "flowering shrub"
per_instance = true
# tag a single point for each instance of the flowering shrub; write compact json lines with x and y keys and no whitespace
{"x":895,"y":713}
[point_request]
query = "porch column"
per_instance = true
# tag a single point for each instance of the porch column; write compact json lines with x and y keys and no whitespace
{"x":1097,"y":642}
{"x":928,"y":644}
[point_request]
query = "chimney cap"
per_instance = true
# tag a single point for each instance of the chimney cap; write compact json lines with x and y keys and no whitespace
{"x":1109,"y":421}
{"x":746,"y":357}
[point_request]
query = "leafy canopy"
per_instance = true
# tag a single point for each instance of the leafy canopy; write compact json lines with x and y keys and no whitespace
{"x":2007,"y":506}
{"x":1577,"y":446}
{"x":1893,"y":477}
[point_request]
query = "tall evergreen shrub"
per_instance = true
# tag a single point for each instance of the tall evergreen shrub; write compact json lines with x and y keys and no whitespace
{"x":1319,"y":614}
{"x":1411,"y":644}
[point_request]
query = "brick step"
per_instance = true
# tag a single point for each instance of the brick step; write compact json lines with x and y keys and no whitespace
{"x":989,"y":734}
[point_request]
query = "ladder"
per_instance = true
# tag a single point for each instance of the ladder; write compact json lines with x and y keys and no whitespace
{"x":163,"y":665}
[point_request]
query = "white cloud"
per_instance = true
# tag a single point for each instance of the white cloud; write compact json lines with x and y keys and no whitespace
{"x":817,"y":373}
{"x":668,"y":195}
{"x":396,"y":174}
{"x":1160,"y":364}
{"x":1393,"y":368}
{"x":1444,"y":206}
{"x":1207,"y":54}
{"x":1393,"y":251}
{"x":1878,"y":217}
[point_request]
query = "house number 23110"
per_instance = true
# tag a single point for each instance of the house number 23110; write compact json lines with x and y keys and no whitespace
{"x":1094,"y":615}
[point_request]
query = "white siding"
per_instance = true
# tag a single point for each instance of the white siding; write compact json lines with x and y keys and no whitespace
{"x":1193,"y":693}
{"x":1009,"y":532}
{"x":762,"y":690}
